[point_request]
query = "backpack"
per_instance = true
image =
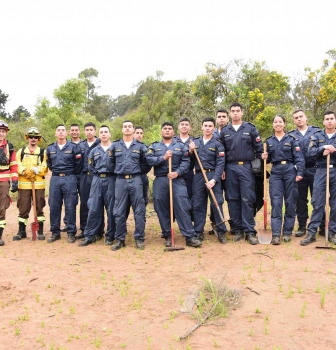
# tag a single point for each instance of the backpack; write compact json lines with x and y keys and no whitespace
{"x":4,"y":160}
{"x":41,"y":154}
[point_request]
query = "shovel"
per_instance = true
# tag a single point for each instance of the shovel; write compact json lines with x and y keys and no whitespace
{"x":35,"y":223}
{"x":326,"y":246}
{"x":211,"y":191}
{"x":265,"y":236}
{"x":173,"y":247}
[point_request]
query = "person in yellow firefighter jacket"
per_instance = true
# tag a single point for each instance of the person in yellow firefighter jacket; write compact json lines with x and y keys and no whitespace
{"x":32,"y":168}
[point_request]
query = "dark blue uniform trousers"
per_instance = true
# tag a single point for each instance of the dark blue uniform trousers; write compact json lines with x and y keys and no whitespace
{"x":200,"y":203}
{"x":240,"y":193}
{"x":282,"y":187}
{"x":85,"y":185}
{"x":101,"y":195}
{"x":319,"y":200}
{"x":129,"y":191}
{"x":302,"y":200}
{"x":63,"y":188}
{"x":181,"y":202}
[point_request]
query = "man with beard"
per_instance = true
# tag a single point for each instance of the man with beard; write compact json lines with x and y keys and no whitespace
{"x":32,"y":167}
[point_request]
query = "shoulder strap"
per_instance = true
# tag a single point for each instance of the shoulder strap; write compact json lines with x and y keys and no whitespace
{"x":41,"y":154}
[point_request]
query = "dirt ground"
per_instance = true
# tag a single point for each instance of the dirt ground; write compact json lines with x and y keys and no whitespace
{"x":60,"y":296}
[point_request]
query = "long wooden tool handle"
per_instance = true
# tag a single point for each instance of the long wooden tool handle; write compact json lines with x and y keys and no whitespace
{"x":265,"y":188}
{"x":265,"y":173}
{"x":327,"y":201}
{"x":210,"y":190}
{"x":171,"y":202}
{"x":34,"y":199}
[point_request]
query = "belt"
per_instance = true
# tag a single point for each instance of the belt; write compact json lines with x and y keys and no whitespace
{"x":240,"y":162}
{"x":205,"y":170}
{"x":310,"y":165}
{"x":130,"y":176}
{"x":324,"y":166}
{"x":102,"y":175}
{"x":282,"y":162}
{"x":63,"y":174}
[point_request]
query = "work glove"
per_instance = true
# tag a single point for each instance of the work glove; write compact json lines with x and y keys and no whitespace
{"x":35,"y":170}
{"x":15,"y":186}
{"x":30,"y":174}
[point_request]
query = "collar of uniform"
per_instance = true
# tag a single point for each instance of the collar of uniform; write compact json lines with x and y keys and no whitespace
{"x":325,"y":134}
{"x":242,"y":125}
{"x":208,"y":140}
{"x":123,"y":142}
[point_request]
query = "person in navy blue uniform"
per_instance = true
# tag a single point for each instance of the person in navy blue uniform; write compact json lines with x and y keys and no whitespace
{"x":74,"y":132}
{"x":101,"y":191}
{"x":222,"y":119}
{"x":212,"y":156}
{"x":158,"y":155}
{"x":184,"y":128}
{"x":86,"y":179}
{"x":284,"y":152}
{"x":321,"y":144}
{"x":242,"y":143}
{"x":303,"y":132}
{"x":64,"y":159}
{"x":127,"y":158}
{"x":138,"y":135}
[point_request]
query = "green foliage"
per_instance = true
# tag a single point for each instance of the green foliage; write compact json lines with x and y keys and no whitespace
{"x":263,"y":93}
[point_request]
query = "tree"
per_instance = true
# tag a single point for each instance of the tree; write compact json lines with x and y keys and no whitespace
{"x":88,"y":75}
{"x":122,"y":104}
{"x":71,"y":97}
{"x":315,"y":90}
{"x":20,"y":114}
{"x":3,"y":101}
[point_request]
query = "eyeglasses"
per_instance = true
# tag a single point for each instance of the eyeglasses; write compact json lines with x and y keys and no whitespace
{"x":34,"y":137}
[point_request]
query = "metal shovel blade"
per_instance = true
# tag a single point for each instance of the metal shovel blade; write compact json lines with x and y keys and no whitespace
{"x":34,"y":228}
{"x":264,"y":236}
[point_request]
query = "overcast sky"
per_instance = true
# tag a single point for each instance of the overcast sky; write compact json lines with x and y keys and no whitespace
{"x":44,"y":43}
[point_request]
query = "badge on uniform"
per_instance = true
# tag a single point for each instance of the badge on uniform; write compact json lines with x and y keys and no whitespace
{"x":90,"y":161}
{"x":258,"y":139}
{"x":150,"y":151}
{"x":221,"y":154}
{"x":78,"y":156}
{"x":297,"y":148}
{"x":109,"y":153}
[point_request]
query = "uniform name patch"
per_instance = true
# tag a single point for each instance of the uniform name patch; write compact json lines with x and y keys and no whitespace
{"x":118,"y":149}
{"x":287,"y":144}
{"x":136,"y":151}
{"x":68,"y":152}
{"x":212,"y":149}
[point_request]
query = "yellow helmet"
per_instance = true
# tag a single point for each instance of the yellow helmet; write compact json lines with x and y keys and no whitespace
{"x":33,"y":131}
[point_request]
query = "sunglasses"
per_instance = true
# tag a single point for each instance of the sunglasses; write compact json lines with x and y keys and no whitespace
{"x":34,"y":137}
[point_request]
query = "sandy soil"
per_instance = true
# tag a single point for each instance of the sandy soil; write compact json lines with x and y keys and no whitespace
{"x":60,"y":296}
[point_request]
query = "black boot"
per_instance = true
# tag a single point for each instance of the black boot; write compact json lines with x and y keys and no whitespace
{"x":251,"y":239}
{"x":40,"y":234}
{"x":309,"y":239}
{"x":238,"y":236}
{"x":1,"y":241}
{"x":21,"y":233}
{"x":301,"y":231}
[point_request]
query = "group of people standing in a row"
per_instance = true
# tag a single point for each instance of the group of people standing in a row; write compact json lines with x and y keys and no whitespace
{"x":112,"y":175}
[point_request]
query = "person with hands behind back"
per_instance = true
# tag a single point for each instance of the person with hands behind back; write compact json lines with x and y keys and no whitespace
{"x":283,"y":151}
